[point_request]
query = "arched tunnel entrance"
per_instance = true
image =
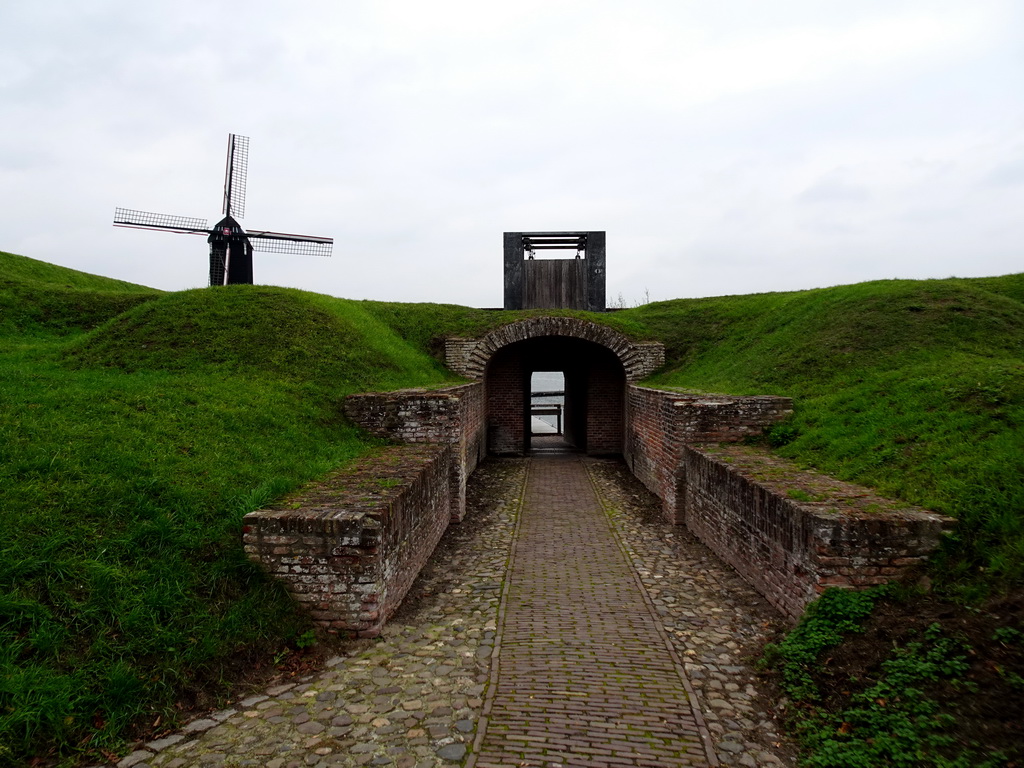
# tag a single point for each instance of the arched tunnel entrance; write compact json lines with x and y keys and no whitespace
{"x":593,"y":419}
{"x":596,"y":360}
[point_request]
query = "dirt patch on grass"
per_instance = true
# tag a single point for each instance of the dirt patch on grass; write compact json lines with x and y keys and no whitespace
{"x":986,"y":701}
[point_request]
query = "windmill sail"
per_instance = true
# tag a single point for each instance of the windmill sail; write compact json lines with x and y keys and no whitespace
{"x":279,"y":242}
{"x":127,"y":217}
{"x":235,"y":176}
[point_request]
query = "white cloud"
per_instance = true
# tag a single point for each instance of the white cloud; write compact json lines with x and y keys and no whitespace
{"x":696,"y":134}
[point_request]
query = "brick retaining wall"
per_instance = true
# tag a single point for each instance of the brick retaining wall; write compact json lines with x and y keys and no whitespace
{"x":739,"y":502}
{"x":453,"y":415}
{"x":659,"y":424}
{"x":348,"y":548}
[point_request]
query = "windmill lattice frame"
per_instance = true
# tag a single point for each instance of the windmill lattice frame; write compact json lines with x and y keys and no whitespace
{"x":231,"y":246}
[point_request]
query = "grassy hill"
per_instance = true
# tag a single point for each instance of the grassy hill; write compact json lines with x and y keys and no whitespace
{"x":137,"y":427}
{"x":39,"y":297}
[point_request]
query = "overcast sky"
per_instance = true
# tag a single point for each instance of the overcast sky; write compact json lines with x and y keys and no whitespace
{"x":725,"y":146}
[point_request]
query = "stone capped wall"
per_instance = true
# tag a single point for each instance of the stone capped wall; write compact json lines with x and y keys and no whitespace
{"x":453,"y":415}
{"x":348,"y":548}
{"x":659,"y":424}
{"x":791,"y":533}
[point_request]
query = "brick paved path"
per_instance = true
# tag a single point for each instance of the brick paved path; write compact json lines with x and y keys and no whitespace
{"x":583,"y":674}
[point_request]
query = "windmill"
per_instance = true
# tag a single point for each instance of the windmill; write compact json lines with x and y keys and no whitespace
{"x":231,"y":246}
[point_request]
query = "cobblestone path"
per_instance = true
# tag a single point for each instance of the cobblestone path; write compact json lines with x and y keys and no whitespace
{"x":425,"y":695}
{"x":584,"y":674}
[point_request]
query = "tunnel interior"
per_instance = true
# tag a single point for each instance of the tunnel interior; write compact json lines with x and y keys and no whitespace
{"x":593,"y":417}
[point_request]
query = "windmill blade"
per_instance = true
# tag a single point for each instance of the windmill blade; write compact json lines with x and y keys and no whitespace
{"x":234,"y":175}
{"x":126,"y":217}
{"x":280,"y":242}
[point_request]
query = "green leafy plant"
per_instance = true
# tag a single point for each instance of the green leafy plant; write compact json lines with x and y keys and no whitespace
{"x":782,"y":434}
{"x":306,"y":640}
{"x":1009,"y":636}
{"x":827,"y":621}
{"x":895,"y":722}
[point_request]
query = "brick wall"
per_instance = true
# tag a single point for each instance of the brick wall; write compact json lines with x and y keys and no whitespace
{"x":596,"y":360}
{"x":349,"y":547}
{"x":739,"y":502}
{"x":652,"y":447}
{"x":452,"y":415}
{"x":506,"y":403}
{"x":459,"y":356}
{"x":659,"y":424}
{"x":605,"y":402}
{"x":594,"y":394}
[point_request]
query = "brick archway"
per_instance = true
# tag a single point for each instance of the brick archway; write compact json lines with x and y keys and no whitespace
{"x":470,"y":357}
{"x":597,"y":362}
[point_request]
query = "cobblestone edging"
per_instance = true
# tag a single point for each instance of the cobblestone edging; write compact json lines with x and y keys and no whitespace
{"x":413,"y":697}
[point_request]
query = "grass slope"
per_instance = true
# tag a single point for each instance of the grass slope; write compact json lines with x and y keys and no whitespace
{"x":128,"y":454}
{"x":35,"y":296}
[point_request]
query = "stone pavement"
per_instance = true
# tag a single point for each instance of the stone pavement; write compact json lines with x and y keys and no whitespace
{"x":428,"y":693}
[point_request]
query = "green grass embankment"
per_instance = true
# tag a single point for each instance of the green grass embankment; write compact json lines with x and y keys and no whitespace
{"x":915,"y":388}
{"x":128,"y":454}
{"x":36,"y":297}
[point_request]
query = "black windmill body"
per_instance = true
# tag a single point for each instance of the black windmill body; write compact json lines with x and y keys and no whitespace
{"x":231,"y":246}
